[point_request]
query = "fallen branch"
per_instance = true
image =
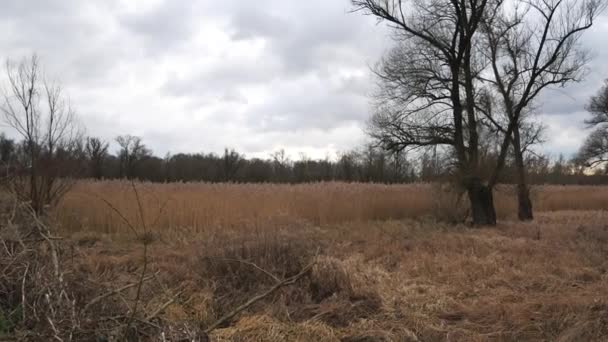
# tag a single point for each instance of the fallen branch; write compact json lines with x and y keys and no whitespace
{"x":113,"y":292}
{"x":23,"y":302}
{"x":163,"y":307}
{"x":286,"y":282}
{"x":249,"y":263}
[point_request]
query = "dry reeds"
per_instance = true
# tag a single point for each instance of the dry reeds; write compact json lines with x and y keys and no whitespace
{"x":393,"y":280}
{"x":180,"y":209}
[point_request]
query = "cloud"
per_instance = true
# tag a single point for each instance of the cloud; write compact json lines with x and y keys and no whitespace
{"x":257,"y":76}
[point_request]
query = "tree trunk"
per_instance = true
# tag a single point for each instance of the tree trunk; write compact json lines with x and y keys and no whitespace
{"x":35,"y":200}
{"x":482,"y":204}
{"x":524,"y":204}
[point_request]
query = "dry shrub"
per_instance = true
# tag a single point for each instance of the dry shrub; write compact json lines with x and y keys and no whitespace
{"x":329,"y":277}
{"x":239,"y":266}
{"x":50,"y":289}
{"x":336,"y":299}
{"x":243,"y":266}
{"x":450,"y":204}
{"x":242,"y":262}
{"x":39,"y":299}
{"x":592,"y":243}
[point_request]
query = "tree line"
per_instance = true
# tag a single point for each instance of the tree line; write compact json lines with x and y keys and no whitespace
{"x":91,"y":158}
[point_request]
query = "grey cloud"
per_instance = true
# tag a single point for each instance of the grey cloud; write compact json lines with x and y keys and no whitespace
{"x":309,"y":105}
{"x":163,"y":26}
{"x":255,"y":22}
{"x":223,"y":78}
{"x":73,"y":38}
{"x":141,"y":69}
{"x":310,"y":35}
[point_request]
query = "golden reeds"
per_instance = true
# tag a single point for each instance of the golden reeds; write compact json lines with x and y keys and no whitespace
{"x":183,"y":208}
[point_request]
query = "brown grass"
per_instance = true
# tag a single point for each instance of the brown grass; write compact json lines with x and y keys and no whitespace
{"x":384,"y":281}
{"x":184,"y":208}
{"x":382,"y":272}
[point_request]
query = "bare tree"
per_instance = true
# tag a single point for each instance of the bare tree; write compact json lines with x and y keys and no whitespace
{"x":132,"y":152}
{"x":433,"y":84}
{"x":97,"y":152}
{"x":39,"y":112}
{"x":231,"y":163}
{"x":594,"y":151}
{"x":281,"y":165}
{"x":427,"y":87}
{"x":530,"y":47}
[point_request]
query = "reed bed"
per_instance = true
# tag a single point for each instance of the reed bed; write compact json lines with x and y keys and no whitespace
{"x":380,"y":274}
{"x":181,"y":208}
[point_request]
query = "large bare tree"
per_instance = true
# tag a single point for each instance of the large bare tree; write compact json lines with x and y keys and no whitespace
{"x":530,"y":46}
{"x":428,"y":91}
{"x":97,"y":153}
{"x":433,"y":84}
{"x":42,"y":116}
{"x":132,"y":152}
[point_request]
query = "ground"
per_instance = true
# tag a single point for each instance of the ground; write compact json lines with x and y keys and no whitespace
{"x":389,"y":280}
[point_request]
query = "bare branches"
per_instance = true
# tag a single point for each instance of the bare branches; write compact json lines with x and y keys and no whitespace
{"x":529,"y":48}
{"x":97,"y":152}
{"x":536,"y":45}
{"x":393,"y":11}
{"x":132,"y":151}
{"x":432,"y":85}
{"x":413,"y":100}
{"x":113,"y":292}
{"x":598,"y":107}
{"x":39,"y":112}
{"x":594,"y":151}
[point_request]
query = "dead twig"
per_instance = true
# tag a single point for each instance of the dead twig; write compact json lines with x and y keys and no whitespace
{"x":164,"y":306}
{"x":249,"y":263}
{"x":111,"y":293}
{"x":44,"y":231}
{"x":23,"y":302}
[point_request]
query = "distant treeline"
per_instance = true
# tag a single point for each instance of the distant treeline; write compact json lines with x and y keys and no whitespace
{"x":91,"y":159}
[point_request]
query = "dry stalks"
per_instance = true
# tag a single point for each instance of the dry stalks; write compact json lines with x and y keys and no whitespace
{"x":46,"y":294}
{"x":393,"y":280}
{"x":176,"y":211}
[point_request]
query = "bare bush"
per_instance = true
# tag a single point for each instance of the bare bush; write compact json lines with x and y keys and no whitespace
{"x":51,"y":149}
{"x":449,"y":203}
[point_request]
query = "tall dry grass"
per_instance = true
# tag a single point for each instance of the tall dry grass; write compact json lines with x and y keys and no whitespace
{"x":406,"y":280}
{"x":182,"y":208}
{"x":380,"y":281}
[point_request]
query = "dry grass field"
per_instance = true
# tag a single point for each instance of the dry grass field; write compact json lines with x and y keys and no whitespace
{"x":181,"y":208}
{"x":383,"y":281}
{"x":385,"y":269}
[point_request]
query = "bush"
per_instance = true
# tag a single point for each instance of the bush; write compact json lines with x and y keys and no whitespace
{"x":450,"y":204}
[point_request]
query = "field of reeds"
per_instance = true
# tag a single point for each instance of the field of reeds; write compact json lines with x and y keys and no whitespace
{"x":180,"y":208}
{"x":316,"y":262}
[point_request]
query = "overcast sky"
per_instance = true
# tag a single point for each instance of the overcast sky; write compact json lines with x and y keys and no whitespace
{"x":257,"y":76}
